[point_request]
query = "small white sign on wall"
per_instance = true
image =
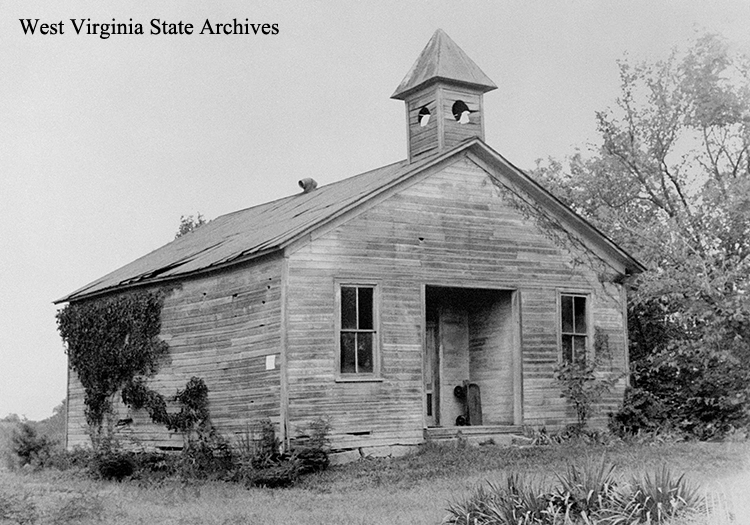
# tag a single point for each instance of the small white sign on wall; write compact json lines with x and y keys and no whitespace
{"x":270,"y":362}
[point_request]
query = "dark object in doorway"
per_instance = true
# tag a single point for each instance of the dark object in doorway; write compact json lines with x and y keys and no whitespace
{"x":461,"y":421}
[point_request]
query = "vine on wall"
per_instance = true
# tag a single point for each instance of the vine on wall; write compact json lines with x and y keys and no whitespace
{"x":553,"y":229}
{"x":113,"y":346}
{"x":580,"y":384}
{"x":192,"y":400}
{"x":112,"y":341}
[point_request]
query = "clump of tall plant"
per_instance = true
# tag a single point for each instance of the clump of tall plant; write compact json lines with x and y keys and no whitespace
{"x":592,"y":493}
{"x":581,"y":385}
{"x":262,"y":463}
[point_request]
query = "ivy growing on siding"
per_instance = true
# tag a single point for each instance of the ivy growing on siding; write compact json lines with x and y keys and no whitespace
{"x":561,"y":236}
{"x":580,"y":384}
{"x":193,"y":402}
{"x":111,"y":342}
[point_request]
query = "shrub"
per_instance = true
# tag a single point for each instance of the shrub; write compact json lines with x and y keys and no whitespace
{"x":260,"y":463}
{"x":312,"y":450}
{"x":641,"y":411}
{"x":60,"y":459}
{"x":311,"y":460}
{"x":29,"y":447}
{"x":156,"y":464}
{"x":283,"y":473}
{"x":114,"y":464}
{"x":699,"y":390}
{"x":208,"y":456}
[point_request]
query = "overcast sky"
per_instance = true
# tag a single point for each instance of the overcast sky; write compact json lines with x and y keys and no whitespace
{"x":105,"y":143}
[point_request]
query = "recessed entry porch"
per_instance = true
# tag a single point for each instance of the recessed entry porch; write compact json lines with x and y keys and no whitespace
{"x":472,"y":360}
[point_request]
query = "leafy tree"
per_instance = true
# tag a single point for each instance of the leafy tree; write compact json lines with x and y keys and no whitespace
{"x":53,"y":427}
{"x":671,"y":183}
{"x":189,"y":223}
{"x":11,"y":418}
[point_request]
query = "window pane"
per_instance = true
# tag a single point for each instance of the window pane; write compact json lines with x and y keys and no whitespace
{"x":348,"y":307}
{"x":364,"y":352}
{"x":365,"y":308}
{"x":567,"y":348}
{"x":580,"y":314}
{"x":348,"y":365}
{"x":579,"y":348}
{"x":566,"y":304}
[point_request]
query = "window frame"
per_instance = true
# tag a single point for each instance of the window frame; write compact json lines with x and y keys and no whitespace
{"x":559,"y":322}
{"x":350,"y":377}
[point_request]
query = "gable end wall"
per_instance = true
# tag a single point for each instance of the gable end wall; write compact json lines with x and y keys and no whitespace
{"x":456,"y":227}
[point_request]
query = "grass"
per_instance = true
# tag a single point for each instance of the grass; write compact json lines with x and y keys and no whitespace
{"x":412,"y":490}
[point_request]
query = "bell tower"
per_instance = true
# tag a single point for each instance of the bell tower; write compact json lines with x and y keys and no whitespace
{"x":443,"y":94}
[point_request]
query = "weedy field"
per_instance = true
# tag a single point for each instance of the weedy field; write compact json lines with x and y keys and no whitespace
{"x":415,"y":489}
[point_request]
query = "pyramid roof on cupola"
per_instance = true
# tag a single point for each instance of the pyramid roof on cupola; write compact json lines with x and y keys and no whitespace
{"x":442,"y":59}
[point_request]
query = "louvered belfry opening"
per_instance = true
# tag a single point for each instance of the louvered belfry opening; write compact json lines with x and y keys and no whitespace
{"x":443,"y":95}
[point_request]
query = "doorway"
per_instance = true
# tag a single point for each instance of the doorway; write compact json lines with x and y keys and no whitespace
{"x":471,"y":352}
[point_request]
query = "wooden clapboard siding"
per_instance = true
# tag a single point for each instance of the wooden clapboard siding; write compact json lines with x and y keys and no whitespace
{"x":422,"y":140}
{"x":391,"y":409}
{"x":454,"y":227}
{"x":77,"y":434}
{"x":220,"y":328}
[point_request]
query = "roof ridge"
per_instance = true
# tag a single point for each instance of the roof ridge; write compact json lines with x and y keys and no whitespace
{"x":324,"y":186}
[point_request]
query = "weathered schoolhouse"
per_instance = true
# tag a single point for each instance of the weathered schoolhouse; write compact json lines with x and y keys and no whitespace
{"x":435,"y":294}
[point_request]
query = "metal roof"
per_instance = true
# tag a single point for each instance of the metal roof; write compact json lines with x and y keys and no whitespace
{"x":443,"y":59}
{"x":262,"y":229}
{"x":248,"y":232}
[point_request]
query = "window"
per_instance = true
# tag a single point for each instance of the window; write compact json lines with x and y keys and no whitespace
{"x":358,"y":342}
{"x":573,"y":327}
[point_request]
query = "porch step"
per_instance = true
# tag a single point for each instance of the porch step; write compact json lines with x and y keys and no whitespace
{"x":504,"y":434}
